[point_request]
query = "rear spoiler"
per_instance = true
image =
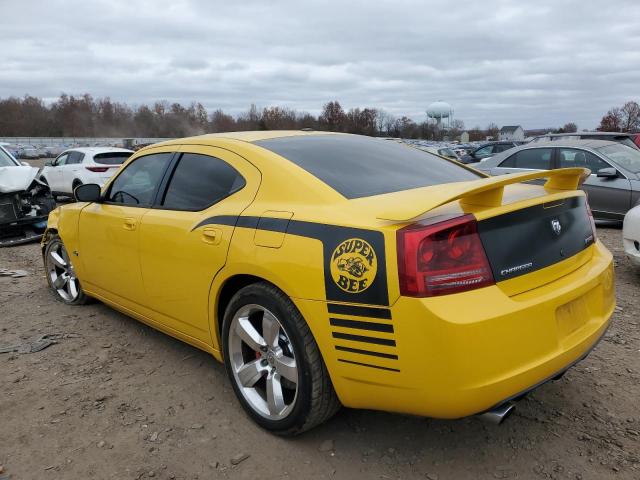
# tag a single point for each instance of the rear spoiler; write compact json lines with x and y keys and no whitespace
{"x":487,"y":192}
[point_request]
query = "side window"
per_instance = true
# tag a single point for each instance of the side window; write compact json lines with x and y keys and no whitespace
{"x":75,"y":157}
{"x":578,"y":158}
{"x":199,"y":181}
{"x":137,"y":184}
{"x":533,"y":159}
{"x":61,"y":160}
{"x":484,"y":151}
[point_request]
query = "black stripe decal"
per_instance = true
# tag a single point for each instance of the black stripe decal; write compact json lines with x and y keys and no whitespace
{"x":367,"y":352}
{"x":375,"y":327}
{"x":362,"y":338}
{"x":371,"y":312}
{"x":331,"y":237}
{"x":368,"y":365}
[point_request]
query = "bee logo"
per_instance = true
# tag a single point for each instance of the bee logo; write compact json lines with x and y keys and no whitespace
{"x":354,"y":265}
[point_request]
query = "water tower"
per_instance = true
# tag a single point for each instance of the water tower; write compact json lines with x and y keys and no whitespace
{"x":442,"y":113}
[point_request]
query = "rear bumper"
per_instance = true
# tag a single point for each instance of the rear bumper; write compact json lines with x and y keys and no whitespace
{"x":458,"y":355}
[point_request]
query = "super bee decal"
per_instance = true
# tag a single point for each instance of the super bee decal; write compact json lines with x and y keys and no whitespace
{"x":362,"y":264}
{"x":354,"y":265}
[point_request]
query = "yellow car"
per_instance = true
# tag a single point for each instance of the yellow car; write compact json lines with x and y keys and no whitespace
{"x":329,"y":269}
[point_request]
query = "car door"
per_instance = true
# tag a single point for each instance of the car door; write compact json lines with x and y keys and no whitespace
{"x":181,"y":249}
{"x":525,"y":161}
{"x":109,"y":230}
{"x":608,"y":197}
{"x":54,"y":174}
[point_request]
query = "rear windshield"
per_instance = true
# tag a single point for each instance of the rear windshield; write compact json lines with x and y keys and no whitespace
{"x":358,"y":166}
{"x":627,"y":158}
{"x":111,"y":158}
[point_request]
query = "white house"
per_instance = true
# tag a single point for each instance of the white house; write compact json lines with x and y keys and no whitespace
{"x":512,"y":132}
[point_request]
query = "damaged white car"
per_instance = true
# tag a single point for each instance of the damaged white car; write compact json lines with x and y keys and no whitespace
{"x":25,"y":202}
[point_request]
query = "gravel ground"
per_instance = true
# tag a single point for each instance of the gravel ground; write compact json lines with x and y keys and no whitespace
{"x":118,"y":400}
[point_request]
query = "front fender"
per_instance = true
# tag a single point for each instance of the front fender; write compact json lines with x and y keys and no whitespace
{"x":52,"y":227}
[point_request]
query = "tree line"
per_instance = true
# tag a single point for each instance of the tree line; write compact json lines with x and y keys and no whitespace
{"x":86,"y":116}
{"x":622,"y":119}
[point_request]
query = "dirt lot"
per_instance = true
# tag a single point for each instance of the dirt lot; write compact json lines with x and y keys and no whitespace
{"x":119,"y":400}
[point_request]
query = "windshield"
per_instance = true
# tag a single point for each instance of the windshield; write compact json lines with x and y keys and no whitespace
{"x":628,"y":158}
{"x":111,"y":158}
{"x":6,"y":160}
{"x":358,"y":166}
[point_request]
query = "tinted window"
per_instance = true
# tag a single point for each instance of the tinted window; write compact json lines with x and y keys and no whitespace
{"x":627,"y":157}
{"x":74,"y":157}
{"x":358,"y":166}
{"x":502,"y":147}
{"x":199,"y":181}
{"x":111,"y":158}
{"x":533,"y":158}
{"x":137,"y":183}
{"x":577,"y":158}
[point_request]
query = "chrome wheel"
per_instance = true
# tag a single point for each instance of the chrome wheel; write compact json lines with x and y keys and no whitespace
{"x":262,"y":361}
{"x":62,"y":277}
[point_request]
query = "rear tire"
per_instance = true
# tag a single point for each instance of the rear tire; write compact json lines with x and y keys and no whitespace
{"x":61,"y":275}
{"x":265,"y":338}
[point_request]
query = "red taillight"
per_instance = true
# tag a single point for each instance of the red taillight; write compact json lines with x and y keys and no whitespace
{"x":97,"y":169}
{"x":593,"y":222}
{"x":443,"y":258}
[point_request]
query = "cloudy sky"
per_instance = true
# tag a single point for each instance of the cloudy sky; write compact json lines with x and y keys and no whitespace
{"x":536,"y":63}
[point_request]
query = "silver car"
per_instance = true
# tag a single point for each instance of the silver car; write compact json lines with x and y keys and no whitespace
{"x":613,"y":186}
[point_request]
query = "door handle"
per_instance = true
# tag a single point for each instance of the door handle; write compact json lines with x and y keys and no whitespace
{"x":129,"y":224}
{"x":212,"y":236}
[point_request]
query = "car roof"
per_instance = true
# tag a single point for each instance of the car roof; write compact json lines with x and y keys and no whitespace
{"x":587,"y":143}
{"x":603,"y":134}
{"x":250,"y":136}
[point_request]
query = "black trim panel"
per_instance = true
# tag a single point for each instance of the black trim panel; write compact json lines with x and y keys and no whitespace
{"x":364,"y":339}
{"x":524,"y":241}
{"x":367,"y":352}
{"x":371,"y":312}
{"x":379,"y":367}
{"x":375,"y":327}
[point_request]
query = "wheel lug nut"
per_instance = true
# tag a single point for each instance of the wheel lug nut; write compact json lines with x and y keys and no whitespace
{"x":263,"y":348}
{"x":264,"y":363}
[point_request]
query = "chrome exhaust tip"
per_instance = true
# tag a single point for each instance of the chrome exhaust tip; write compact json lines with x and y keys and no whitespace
{"x":499,"y":414}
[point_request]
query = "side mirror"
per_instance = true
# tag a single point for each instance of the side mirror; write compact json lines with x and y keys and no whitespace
{"x":25,"y":164}
{"x":48,"y":163}
{"x":89,"y":192}
{"x":608,"y":172}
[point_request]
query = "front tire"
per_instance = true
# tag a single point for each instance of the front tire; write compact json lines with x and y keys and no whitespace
{"x":61,"y":275}
{"x":274,"y":363}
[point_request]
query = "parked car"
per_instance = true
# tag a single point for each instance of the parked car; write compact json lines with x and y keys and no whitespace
{"x":613,"y":186}
{"x":631,"y":235}
{"x":636,"y":139}
{"x":331,"y":268}
{"x":28,"y":153}
{"x":487,"y":150}
{"x":445,"y":152}
{"x":24,"y":202}
{"x":627,"y":139}
{"x":82,"y":165}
